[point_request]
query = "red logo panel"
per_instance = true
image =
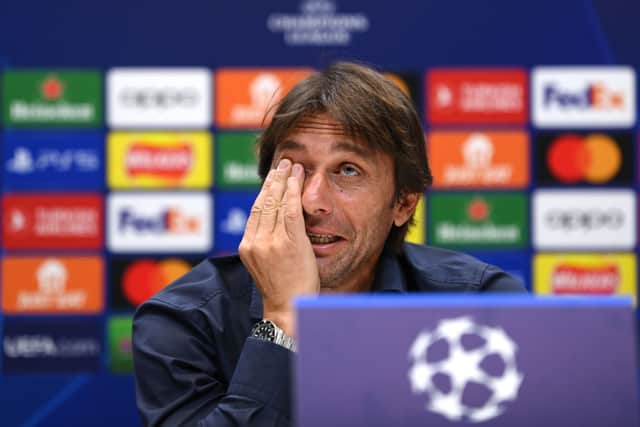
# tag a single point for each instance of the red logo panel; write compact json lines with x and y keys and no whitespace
{"x":472,"y":96}
{"x":45,"y":221}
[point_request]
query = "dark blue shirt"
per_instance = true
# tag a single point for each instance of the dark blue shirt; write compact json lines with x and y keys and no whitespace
{"x":195,"y":364}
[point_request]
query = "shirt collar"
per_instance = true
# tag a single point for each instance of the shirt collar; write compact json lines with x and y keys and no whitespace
{"x":389,"y":276}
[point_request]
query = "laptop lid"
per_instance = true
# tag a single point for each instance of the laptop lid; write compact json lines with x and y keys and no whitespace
{"x":430,"y":360}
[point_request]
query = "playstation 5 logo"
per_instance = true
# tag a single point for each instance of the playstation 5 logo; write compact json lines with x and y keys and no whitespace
{"x":21,"y":162}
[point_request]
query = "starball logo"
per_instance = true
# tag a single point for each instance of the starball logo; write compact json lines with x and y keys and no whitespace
{"x":585,"y":97}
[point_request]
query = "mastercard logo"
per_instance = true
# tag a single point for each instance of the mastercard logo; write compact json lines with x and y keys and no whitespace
{"x":146,"y":277}
{"x":593,"y":158}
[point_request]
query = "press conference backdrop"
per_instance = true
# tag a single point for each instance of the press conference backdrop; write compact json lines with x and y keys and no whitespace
{"x":127,"y":156}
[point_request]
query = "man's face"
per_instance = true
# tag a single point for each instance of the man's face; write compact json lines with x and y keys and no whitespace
{"x":347,"y":198}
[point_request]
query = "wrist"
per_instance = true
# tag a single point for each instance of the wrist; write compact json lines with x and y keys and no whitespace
{"x":283,"y":320}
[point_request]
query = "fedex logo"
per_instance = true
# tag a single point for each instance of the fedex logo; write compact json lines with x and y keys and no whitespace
{"x":159,"y":222}
{"x":171,"y":220}
{"x":595,"y":95}
{"x":583,"y":97}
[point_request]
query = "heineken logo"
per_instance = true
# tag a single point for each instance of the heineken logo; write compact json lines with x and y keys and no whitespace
{"x":52,"y":88}
{"x":478,"y":210}
{"x":45,"y":98}
{"x":236,"y":160}
{"x":472,"y":220}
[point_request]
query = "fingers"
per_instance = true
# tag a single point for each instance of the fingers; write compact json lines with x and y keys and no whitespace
{"x":256,"y":210}
{"x":272,"y":201}
{"x":291,"y":219}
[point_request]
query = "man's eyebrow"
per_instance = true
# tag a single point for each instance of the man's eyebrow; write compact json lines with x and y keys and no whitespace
{"x":290,"y":144}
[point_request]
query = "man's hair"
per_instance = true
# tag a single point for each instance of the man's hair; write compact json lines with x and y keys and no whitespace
{"x":368,"y":106}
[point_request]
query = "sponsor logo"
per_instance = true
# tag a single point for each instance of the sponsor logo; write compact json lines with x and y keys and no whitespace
{"x":136,"y":280}
{"x":477,"y":96}
{"x":119,"y":338}
{"x":479,"y":159}
{"x":584,"y":219}
{"x":52,"y":345}
{"x":447,"y":372}
{"x":46,"y":221}
{"x":236,"y":161}
{"x":232,"y":212}
{"x":38,"y":160}
{"x":159,"y":97}
{"x":585,"y":274}
{"x":318,"y":24}
{"x":64,"y":98}
{"x":244,"y":96}
{"x":587,"y":159}
{"x":52,"y":285}
{"x":159,"y":160}
{"x":597,"y":280}
{"x":161,"y":222}
{"x":478,"y":220}
{"x":583,"y":96}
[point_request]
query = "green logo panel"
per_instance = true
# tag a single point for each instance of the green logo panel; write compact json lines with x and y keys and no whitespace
{"x":478,"y":220}
{"x":52,"y":99}
{"x":237,"y":165}
{"x":119,"y":333}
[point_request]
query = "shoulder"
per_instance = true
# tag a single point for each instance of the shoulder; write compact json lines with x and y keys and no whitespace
{"x":448,"y":270}
{"x":213,"y":277}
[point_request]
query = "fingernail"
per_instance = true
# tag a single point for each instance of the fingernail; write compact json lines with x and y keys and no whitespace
{"x":284,"y":163}
{"x":297,"y":170}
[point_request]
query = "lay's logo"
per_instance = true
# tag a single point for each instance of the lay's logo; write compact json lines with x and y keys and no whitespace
{"x":160,"y":160}
{"x":585,"y":274}
{"x":586,"y":97}
{"x":167,"y":162}
{"x":595,"y":280}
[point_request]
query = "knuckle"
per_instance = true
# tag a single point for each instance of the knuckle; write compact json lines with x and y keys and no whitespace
{"x":269,"y":205}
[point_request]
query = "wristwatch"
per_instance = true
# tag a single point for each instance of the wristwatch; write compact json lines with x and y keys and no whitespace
{"x":268,"y":331}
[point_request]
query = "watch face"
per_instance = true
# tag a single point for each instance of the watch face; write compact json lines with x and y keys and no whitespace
{"x":265,"y":330}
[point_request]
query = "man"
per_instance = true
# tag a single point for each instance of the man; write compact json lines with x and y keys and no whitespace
{"x":343,"y":162}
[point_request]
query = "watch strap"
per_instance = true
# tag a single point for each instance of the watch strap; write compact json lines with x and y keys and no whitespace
{"x":268,"y":331}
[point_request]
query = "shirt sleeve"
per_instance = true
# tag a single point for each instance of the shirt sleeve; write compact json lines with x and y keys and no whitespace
{"x":179,"y":379}
{"x":496,"y":280}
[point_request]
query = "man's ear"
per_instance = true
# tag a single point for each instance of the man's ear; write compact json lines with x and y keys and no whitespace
{"x":405,"y":207}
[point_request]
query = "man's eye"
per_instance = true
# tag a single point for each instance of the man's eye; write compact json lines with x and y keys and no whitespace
{"x":349,"y":170}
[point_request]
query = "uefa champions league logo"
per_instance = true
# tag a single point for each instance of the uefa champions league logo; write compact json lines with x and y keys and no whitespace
{"x":460,"y":356}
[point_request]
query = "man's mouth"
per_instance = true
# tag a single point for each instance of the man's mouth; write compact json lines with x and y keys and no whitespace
{"x":322,"y":239}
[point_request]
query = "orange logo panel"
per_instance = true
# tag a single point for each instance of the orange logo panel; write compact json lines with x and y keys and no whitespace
{"x":243,"y":96}
{"x":52,"y":285}
{"x":479,"y":159}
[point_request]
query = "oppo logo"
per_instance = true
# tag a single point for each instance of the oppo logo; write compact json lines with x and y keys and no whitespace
{"x":592,"y":219}
{"x":167,"y":97}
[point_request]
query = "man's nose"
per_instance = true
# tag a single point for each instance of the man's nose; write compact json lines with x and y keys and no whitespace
{"x":316,"y":195}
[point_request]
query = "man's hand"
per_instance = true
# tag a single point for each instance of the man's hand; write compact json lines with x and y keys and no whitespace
{"x":275,"y":247}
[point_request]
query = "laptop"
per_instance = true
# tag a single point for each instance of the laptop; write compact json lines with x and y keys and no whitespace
{"x":430,"y":360}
